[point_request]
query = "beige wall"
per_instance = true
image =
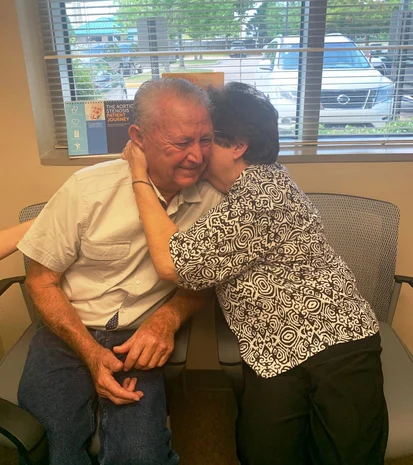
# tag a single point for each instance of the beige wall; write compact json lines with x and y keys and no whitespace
{"x":23,"y":181}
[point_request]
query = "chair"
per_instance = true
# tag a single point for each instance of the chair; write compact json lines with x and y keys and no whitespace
{"x":364,"y":232}
{"x":19,"y":428}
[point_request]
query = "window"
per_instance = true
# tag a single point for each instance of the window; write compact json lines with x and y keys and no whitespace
{"x":339,"y":73}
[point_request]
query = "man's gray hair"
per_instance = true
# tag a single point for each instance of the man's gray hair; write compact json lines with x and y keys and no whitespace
{"x":147,"y":97}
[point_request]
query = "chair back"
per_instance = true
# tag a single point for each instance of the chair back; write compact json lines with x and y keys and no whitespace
{"x":28,"y":213}
{"x":364,"y":233}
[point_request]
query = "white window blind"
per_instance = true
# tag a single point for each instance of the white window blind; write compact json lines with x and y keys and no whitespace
{"x":339,"y":72}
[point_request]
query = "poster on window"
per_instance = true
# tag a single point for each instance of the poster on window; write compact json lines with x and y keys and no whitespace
{"x":97,"y":127}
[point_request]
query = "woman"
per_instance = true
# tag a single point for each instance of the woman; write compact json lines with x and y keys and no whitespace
{"x":309,"y":341}
{"x":9,"y":238}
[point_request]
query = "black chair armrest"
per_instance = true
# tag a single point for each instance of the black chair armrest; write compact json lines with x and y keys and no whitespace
{"x":7,"y":282}
{"x":228,"y":350}
{"x":177,"y":360}
{"x":179,"y":354}
{"x":24,"y":431}
{"x":404,"y":279}
{"x":228,"y":353}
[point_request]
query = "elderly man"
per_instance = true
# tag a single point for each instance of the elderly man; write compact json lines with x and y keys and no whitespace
{"x":109,"y":320}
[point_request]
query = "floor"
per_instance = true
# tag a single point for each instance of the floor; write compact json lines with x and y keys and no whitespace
{"x":202,"y":424}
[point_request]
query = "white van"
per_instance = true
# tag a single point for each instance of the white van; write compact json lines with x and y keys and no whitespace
{"x":352,"y":92}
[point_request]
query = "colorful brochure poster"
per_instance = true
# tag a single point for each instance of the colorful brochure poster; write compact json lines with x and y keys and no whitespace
{"x":96,"y":128}
{"x":76,"y":128}
{"x":119,"y":116}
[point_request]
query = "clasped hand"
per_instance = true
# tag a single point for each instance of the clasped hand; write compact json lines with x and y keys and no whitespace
{"x":149,"y":347}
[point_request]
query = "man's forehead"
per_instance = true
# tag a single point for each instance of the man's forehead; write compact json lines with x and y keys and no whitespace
{"x":183,"y":116}
{"x":180,"y":106}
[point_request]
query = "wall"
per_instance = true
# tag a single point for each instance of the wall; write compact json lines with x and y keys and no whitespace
{"x":23,"y":181}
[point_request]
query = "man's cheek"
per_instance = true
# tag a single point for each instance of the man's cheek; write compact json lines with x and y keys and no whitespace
{"x":207,"y":154}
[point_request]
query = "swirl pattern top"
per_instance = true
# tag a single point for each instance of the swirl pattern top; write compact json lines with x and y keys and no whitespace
{"x":284,"y":292}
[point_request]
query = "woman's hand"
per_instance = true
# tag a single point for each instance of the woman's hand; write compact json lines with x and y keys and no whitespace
{"x":136,"y":159}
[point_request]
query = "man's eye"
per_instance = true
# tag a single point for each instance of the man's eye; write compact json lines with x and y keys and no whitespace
{"x":182,"y":145}
{"x":205,"y":142}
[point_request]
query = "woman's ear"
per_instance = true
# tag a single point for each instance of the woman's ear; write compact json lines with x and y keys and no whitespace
{"x":135,"y":135}
{"x":239,"y":149}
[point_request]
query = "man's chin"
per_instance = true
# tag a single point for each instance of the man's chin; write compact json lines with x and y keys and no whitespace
{"x":189,"y":179}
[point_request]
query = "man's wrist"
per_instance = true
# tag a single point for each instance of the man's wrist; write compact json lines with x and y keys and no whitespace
{"x":170,"y":315}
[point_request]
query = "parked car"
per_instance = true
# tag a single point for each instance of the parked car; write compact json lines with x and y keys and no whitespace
{"x":353,"y":91}
{"x":237,"y":48}
{"x":126,"y":65}
{"x":129,"y":65}
{"x":96,"y":74}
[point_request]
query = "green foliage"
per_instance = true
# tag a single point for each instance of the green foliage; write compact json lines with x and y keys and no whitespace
{"x":274,"y":18}
{"x":197,"y":19}
{"x":394,"y":127}
{"x":83,"y":82}
{"x":112,"y":47}
{"x":361,"y":19}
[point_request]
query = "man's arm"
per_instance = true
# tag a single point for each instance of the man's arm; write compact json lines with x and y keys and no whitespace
{"x":58,"y":313}
{"x":11,"y":236}
{"x":153,"y":342}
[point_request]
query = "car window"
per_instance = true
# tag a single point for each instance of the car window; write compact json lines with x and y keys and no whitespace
{"x":344,"y":58}
{"x":333,"y":58}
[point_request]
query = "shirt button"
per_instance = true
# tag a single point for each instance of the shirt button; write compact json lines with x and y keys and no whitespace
{"x":137,"y":282}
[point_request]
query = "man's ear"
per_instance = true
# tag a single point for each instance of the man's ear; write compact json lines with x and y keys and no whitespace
{"x":239,"y":149}
{"x":136,"y":135}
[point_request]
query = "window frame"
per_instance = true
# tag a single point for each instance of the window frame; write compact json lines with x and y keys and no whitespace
{"x":336,"y":151}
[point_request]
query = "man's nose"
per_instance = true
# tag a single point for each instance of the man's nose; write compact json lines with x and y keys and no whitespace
{"x":196,"y":154}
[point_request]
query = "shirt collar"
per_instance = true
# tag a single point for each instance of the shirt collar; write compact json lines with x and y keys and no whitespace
{"x":189,"y":194}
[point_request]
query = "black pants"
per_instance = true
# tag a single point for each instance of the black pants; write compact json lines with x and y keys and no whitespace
{"x":330,"y":410}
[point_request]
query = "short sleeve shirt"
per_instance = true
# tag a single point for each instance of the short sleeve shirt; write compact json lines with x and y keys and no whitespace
{"x":90,"y":231}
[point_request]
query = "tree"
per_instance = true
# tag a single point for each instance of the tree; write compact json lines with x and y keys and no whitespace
{"x":274,"y":18}
{"x":361,"y":19}
{"x":197,"y":19}
{"x":83,"y":81}
{"x":257,"y":25}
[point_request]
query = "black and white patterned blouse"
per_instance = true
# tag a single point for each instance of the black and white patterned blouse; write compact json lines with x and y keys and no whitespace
{"x":284,"y":292}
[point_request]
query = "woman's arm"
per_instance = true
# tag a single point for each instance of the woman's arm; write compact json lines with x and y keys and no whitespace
{"x":157,"y":225}
{"x":10,"y":237}
{"x":220,"y":245}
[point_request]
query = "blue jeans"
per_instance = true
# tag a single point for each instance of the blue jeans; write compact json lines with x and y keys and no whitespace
{"x":57,"y":388}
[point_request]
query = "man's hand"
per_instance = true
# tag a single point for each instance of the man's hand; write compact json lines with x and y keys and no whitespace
{"x":151,"y":344}
{"x":102,"y":365}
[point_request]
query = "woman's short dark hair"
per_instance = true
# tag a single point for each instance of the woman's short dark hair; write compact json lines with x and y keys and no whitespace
{"x":240,"y":112}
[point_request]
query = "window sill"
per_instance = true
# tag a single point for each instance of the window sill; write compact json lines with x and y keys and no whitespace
{"x":60,"y":157}
{"x":303,"y":154}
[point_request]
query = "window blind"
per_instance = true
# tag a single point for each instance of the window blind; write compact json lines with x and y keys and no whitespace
{"x":337,"y":71}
